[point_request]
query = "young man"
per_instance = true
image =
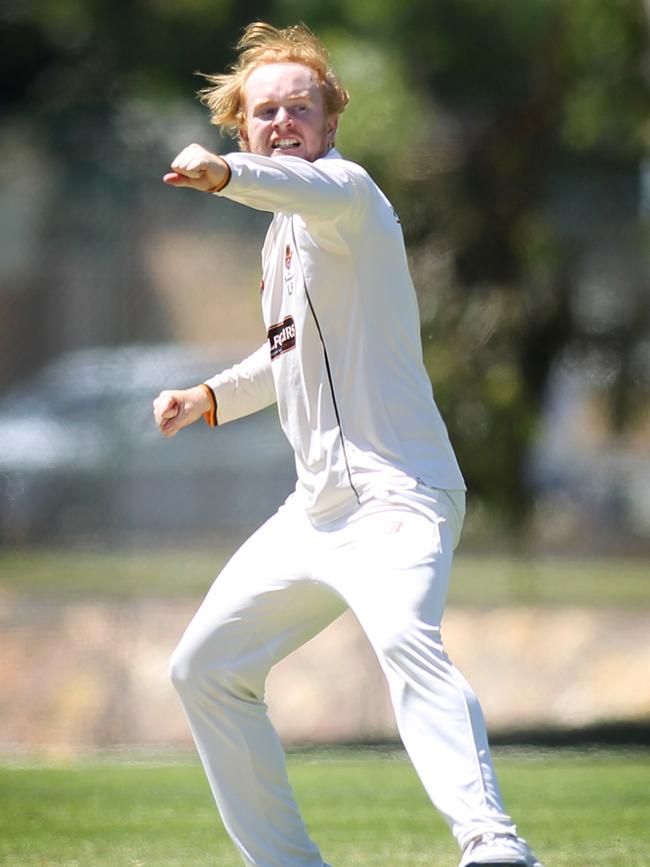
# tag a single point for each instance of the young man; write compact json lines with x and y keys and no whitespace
{"x":379,"y":501}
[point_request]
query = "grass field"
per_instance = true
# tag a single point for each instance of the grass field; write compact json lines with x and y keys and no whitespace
{"x":476,"y":580}
{"x":364,"y":809}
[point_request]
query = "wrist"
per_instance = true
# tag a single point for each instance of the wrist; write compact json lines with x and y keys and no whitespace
{"x":219,"y":174}
{"x":208,"y":404}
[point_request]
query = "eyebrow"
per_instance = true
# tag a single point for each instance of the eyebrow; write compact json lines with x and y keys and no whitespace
{"x":293,"y":98}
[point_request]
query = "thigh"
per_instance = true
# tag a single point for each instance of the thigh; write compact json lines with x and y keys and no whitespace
{"x":263,"y":605}
{"x":396,"y":577}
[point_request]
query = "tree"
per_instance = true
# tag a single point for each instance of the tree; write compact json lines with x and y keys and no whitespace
{"x":518,"y":97}
{"x":469,"y":113}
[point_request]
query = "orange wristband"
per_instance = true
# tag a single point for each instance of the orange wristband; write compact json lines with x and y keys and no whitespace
{"x":224,"y":182}
{"x":210,"y":415}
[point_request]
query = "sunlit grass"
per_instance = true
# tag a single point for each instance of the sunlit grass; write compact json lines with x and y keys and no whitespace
{"x":363,"y":809}
{"x":189,"y":571}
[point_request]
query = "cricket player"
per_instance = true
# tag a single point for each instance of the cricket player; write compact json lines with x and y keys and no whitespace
{"x":379,"y":500}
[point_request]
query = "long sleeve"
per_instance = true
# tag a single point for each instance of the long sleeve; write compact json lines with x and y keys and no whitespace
{"x":323,"y":189}
{"x":245,"y":387}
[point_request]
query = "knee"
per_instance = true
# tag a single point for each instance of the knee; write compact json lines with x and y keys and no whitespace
{"x":196,"y":662}
{"x":182,"y":668}
{"x":209,"y":669}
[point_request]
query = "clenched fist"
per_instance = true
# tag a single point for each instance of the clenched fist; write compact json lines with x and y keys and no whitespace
{"x":174,"y":410}
{"x":199,"y":169}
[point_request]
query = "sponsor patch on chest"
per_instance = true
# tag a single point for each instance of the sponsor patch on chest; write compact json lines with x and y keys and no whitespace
{"x":282,"y":337}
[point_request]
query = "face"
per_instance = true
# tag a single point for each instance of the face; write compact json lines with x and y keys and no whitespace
{"x":285,"y":113}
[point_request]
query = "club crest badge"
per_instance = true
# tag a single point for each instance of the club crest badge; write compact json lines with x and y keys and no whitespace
{"x":288,"y":273}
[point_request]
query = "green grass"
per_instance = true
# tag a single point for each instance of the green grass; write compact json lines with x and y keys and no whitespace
{"x":483,"y":581}
{"x":121,"y":573}
{"x":551,"y":581}
{"x":364,"y":810}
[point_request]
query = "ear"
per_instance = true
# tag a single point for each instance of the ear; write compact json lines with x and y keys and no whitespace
{"x":243,"y":138}
{"x":332,"y":127}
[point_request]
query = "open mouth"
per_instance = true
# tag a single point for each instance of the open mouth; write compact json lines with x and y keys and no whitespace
{"x":283,"y":145}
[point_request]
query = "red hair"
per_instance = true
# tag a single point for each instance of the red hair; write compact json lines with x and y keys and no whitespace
{"x":262,"y":43}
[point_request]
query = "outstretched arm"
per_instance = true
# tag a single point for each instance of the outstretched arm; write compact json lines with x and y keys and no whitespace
{"x":323,"y":190}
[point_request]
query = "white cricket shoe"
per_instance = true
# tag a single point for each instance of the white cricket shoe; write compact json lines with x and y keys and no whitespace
{"x":498,"y":850}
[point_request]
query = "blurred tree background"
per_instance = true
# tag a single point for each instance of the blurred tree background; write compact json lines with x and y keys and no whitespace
{"x":512,"y":137}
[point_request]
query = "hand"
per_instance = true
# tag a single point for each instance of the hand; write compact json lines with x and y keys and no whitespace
{"x":174,"y":410}
{"x":199,"y":169}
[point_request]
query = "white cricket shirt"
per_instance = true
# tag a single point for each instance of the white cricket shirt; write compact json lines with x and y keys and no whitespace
{"x":343,"y":357}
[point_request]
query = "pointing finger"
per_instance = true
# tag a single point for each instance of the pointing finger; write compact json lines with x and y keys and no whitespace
{"x":173,"y":178}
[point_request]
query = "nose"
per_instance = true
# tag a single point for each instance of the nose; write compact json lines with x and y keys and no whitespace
{"x":282,"y":117}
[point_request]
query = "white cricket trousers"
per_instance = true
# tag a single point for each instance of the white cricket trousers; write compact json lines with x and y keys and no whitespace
{"x":390,"y":563}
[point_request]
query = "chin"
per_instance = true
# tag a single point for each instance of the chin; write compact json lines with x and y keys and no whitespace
{"x":280,"y":154}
